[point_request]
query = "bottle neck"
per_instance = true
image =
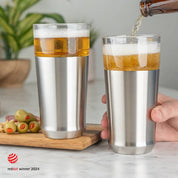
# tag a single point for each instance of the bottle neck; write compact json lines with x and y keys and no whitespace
{"x":153,"y":7}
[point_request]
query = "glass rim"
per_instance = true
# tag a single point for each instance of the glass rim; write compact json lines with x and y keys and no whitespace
{"x":63,"y":30}
{"x":139,"y":36}
{"x":67,"y":25}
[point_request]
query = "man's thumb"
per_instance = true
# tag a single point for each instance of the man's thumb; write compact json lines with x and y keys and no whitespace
{"x":165,"y":111}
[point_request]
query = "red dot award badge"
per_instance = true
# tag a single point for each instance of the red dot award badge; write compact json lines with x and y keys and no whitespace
{"x":12,"y":158}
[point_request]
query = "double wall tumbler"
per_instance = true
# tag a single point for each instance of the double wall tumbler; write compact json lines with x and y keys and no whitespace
{"x":131,"y":67}
{"x":61,"y":52}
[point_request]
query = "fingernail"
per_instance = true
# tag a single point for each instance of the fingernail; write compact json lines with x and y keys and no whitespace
{"x":159,"y":115}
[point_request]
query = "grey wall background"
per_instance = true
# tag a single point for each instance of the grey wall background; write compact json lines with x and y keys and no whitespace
{"x":116,"y":17}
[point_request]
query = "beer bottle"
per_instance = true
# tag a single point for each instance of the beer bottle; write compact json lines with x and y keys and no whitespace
{"x":153,"y":7}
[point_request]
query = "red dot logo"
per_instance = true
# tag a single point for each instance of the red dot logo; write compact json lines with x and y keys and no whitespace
{"x":12,"y":158}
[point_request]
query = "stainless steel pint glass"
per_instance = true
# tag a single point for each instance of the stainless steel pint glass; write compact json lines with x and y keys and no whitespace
{"x":61,"y":52}
{"x":131,"y":67}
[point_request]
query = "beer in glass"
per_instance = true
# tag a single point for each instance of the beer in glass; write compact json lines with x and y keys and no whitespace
{"x":131,"y":66}
{"x":61,"y":52}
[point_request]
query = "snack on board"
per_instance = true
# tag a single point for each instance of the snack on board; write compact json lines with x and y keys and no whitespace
{"x":22,"y":122}
{"x":2,"y":127}
{"x":34,"y":126}
{"x":10,"y":127}
{"x":31,"y":118}
{"x":22,"y":127}
{"x":21,"y":115}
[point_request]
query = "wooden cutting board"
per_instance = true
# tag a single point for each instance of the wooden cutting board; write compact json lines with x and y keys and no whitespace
{"x":90,"y":137}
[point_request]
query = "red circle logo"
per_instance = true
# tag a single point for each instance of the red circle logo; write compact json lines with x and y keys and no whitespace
{"x":12,"y":158}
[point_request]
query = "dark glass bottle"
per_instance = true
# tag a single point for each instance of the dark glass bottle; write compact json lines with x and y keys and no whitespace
{"x":153,"y":7}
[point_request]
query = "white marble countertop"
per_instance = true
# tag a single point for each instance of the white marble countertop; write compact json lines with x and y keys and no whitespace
{"x":98,"y":161}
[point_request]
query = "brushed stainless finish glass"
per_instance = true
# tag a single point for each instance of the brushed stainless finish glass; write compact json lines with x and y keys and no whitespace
{"x":62,"y":89}
{"x":130,"y":97}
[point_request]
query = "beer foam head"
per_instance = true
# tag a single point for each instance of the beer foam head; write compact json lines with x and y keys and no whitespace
{"x":130,"y":49}
{"x":55,"y":32}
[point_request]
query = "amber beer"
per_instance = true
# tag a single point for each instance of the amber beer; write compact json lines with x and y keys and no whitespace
{"x":128,"y":57}
{"x":61,"y":43}
{"x":55,"y":47}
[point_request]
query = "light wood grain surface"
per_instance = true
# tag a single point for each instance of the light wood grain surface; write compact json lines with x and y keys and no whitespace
{"x":90,"y":137}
